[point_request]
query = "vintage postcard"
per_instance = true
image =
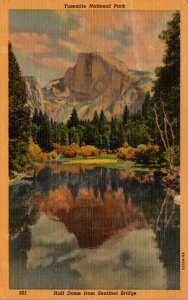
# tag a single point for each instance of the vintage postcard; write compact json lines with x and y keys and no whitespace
{"x":94,"y":168}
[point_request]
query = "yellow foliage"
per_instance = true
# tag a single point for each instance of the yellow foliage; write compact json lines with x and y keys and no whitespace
{"x":52,"y":155}
{"x":127,"y":153}
{"x":89,"y":151}
{"x":34,"y":152}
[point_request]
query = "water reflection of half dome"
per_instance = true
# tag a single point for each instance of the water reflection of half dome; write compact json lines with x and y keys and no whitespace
{"x":92,"y":219}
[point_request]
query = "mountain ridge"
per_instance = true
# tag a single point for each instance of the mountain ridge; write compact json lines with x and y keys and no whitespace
{"x":95,"y":82}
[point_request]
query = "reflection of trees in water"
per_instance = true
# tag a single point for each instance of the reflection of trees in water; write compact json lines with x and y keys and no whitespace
{"x":21,"y":217}
{"x":141,"y":186}
{"x":168,"y":237}
{"x":92,"y":219}
{"x":18,"y":256}
{"x":167,"y":213}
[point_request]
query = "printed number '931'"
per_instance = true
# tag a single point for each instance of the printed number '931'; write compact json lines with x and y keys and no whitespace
{"x":22,"y":292}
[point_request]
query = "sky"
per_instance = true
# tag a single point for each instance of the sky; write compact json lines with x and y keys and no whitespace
{"x":47,"y":43}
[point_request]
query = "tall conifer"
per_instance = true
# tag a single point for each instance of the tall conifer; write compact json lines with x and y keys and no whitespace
{"x":19,"y":115}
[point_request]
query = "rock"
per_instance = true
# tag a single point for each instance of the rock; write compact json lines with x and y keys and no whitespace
{"x":34,"y":94}
{"x":95,"y":82}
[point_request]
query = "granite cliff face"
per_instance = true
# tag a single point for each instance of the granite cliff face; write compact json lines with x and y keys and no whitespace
{"x":95,"y":76}
{"x":95,"y":82}
{"x":34,"y":94}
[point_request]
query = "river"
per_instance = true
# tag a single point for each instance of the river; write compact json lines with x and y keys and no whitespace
{"x":93,"y":227}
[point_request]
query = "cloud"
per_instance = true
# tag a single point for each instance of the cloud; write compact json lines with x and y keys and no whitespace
{"x":29,"y":42}
{"x":40,"y":47}
{"x":71,"y":46}
{"x":43,"y":21}
{"x":55,"y":38}
{"x":124,"y":265}
{"x":131,"y":36}
{"x":58,"y":63}
{"x":122,"y":35}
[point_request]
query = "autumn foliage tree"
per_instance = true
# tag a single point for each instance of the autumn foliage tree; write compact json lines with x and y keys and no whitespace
{"x":33,"y":150}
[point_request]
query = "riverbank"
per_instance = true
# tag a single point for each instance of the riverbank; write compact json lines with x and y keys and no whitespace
{"x":102,"y":160}
{"x":109,"y":163}
{"x":106,"y":160}
{"x":170,"y":179}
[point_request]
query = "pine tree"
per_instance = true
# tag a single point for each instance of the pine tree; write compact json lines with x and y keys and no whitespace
{"x":102,"y":122}
{"x":56,"y":129}
{"x":74,"y":120}
{"x":113,"y":134}
{"x":74,"y":136}
{"x":44,"y":137}
{"x":95,"y":120}
{"x":166,"y":89}
{"x":64,"y":136}
{"x":104,"y":131}
{"x":120,"y":134}
{"x":125,"y":115}
{"x":19,"y":115}
{"x":145,"y":106}
{"x":36,"y":118}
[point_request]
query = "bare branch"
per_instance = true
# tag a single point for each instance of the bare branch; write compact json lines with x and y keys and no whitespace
{"x":159,"y":129}
{"x":165,"y":126}
{"x":171,"y":130}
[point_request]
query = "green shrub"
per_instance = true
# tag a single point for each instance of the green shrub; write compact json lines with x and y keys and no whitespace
{"x":146,"y":153}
